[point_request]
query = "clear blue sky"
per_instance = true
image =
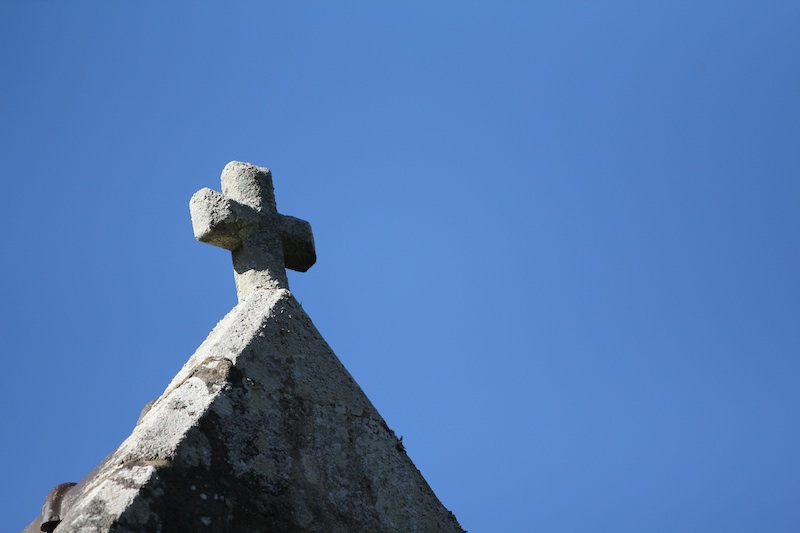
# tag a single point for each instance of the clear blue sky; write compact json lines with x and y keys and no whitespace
{"x":557,"y":241}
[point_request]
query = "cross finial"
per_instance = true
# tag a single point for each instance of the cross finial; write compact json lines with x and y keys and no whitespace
{"x":245,"y":220}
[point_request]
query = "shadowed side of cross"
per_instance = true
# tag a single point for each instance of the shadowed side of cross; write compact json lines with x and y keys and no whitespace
{"x":245,"y":220}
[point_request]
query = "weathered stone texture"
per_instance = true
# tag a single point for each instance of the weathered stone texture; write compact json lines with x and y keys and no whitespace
{"x":263,"y":430}
{"x":244,"y":219}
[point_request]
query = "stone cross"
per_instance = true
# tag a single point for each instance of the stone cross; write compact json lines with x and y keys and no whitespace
{"x":245,"y":220}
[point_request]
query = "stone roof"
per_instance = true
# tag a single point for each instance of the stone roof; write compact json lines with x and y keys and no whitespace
{"x":262,"y":430}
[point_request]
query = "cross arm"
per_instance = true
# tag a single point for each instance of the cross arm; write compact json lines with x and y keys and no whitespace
{"x":218,"y":220}
{"x":298,"y":243}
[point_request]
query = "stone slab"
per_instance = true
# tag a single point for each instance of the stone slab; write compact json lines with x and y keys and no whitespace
{"x":262,"y":430}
